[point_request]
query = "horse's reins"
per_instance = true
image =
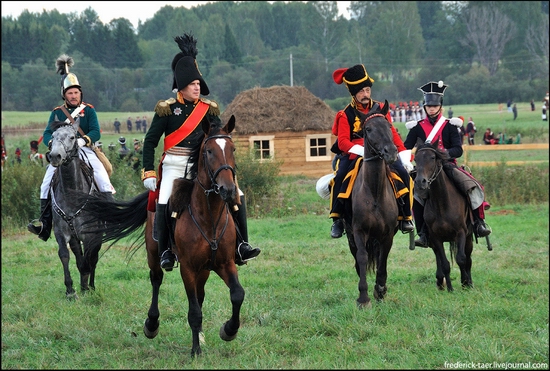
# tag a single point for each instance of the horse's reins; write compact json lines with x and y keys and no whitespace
{"x":213,"y":189}
{"x":437,"y":170}
{"x":372,"y":150}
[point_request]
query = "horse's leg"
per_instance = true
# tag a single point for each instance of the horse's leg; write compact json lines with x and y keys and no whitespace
{"x":192,"y":282}
{"x":466,"y":269}
{"x":361,"y":259}
{"x":93,"y":257}
{"x":64,"y":256}
{"x":380,"y":288}
{"x":442,"y":273}
{"x":229,"y":329}
{"x":81,"y":263}
{"x":156,"y":275}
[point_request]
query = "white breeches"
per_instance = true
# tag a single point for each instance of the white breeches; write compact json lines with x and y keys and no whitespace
{"x":173,"y":167}
{"x":100,"y":174}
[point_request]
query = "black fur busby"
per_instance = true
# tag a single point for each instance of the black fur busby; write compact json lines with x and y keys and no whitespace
{"x":184,"y":64}
{"x":68,"y":79}
{"x":34,"y":145}
{"x":433,"y":93}
{"x":355,"y":78}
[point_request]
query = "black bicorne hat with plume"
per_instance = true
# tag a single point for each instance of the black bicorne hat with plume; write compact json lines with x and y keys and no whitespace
{"x":68,"y":79}
{"x":184,"y":64}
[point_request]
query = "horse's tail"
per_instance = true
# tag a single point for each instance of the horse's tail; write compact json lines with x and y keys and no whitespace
{"x":119,"y":218}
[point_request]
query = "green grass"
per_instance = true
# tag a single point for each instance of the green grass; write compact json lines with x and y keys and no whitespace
{"x":299,"y":311}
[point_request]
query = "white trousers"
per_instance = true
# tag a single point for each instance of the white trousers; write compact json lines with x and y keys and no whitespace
{"x":173,"y":167}
{"x":100,"y":174}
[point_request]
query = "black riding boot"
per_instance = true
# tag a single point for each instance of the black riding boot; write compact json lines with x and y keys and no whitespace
{"x":244,"y":251}
{"x":44,"y":230}
{"x":337,"y":229}
{"x":421,"y":228}
{"x":406,"y":225}
{"x":480,"y":228}
{"x":167,"y":257}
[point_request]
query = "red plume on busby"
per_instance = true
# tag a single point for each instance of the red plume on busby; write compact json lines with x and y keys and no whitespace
{"x":68,"y":79}
{"x":184,"y":64}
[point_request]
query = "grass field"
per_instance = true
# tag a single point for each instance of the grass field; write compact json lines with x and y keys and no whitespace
{"x":299,"y":311}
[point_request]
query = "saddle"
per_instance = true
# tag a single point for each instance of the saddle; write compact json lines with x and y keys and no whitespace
{"x":399,"y":187}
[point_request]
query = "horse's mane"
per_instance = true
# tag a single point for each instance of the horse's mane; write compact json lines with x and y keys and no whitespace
{"x":440,"y":153}
{"x":57,"y":124}
{"x":215,"y":128}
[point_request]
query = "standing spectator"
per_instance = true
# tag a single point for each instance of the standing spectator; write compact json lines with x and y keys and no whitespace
{"x":129,"y":124}
{"x":18,"y":155}
{"x":138,"y":124}
{"x":532,"y":105}
{"x":471,"y":131}
{"x":450,"y":112}
{"x":144,"y":124}
{"x":515,"y":110}
{"x":509,"y":105}
{"x":462,"y":130}
{"x":117,"y":126}
{"x":36,"y":157}
{"x":544,"y":112}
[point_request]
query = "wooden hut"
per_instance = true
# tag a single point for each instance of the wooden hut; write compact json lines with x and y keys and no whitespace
{"x":285,"y":123}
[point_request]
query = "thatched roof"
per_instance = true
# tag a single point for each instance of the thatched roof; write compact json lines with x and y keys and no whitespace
{"x":278,"y":108}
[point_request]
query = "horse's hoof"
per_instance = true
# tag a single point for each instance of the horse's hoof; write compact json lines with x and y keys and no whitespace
{"x":367,"y":305}
{"x":224,"y":336}
{"x":148,"y":333}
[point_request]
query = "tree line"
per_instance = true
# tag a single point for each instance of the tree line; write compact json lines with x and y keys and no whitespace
{"x":485,"y":51}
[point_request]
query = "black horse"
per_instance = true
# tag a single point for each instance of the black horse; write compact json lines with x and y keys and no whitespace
{"x":371,"y":227}
{"x":71,"y":223}
{"x":447,"y":214}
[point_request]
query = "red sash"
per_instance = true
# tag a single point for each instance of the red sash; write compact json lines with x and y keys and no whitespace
{"x":187,"y":127}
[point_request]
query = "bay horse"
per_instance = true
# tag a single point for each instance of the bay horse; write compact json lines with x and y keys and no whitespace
{"x":371,"y":227}
{"x":71,"y":223}
{"x":447,"y":214}
{"x":203,"y":234}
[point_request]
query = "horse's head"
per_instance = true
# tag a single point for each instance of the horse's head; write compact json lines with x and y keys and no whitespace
{"x":218,"y":160}
{"x":377,"y":134}
{"x":429,"y":162}
{"x":63,"y":147}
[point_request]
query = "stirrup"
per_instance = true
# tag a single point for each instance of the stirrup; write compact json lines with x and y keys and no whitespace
{"x":167,"y":260}
{"x":422,"y":240}
{"x":249,"y":253}
{"x":35,"y":229}
{"x":482,"y":229}
{"x":406,"y":226}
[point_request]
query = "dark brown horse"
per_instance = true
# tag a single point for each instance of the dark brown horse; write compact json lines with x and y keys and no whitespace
{"x":204,"y":234}
{"x":373,"y":223}
{"x":447,"y":214}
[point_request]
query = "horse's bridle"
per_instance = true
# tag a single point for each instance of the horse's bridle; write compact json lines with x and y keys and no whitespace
{"x":438,"y":168}
{"x":71,"y":152}
{"x":372,"y":150}
{"x":215,"y":189}
{"x":213,"y":175}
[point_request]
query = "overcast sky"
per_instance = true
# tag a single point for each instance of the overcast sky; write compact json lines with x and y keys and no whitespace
{"x":109,"y":10}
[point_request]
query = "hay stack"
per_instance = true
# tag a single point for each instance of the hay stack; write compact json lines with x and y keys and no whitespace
{"x":278,"y":108}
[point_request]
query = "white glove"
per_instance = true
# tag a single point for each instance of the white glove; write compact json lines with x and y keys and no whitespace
{"x":357,"y":150}
{"x":81,"y":142}
{"x":405,"y":157}
{"x":150,"y":184}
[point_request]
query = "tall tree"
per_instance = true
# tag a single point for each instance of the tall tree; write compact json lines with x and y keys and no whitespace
{"x":488,"y":31}
{"x":232,"y":53}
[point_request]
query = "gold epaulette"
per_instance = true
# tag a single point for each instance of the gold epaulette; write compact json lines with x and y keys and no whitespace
{"x":163,"y":107}
{"x":214,"y":108}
